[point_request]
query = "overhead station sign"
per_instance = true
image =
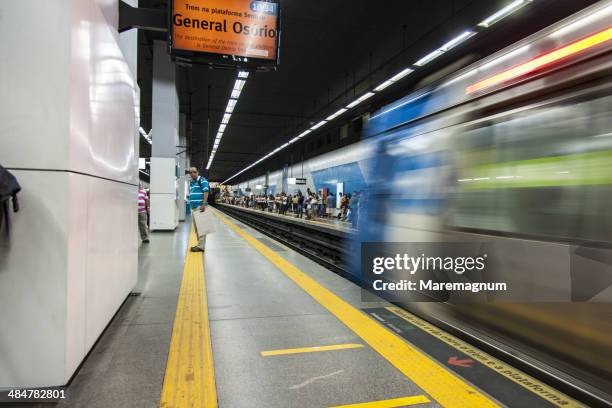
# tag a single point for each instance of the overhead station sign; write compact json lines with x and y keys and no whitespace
{"x":226,"y":31}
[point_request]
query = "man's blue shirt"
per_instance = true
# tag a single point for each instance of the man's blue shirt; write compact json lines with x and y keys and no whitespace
{"x":197,"y":188}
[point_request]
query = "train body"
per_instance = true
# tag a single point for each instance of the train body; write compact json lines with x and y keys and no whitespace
{"x":514,"y":151}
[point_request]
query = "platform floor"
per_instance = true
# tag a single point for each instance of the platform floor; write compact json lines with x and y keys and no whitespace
{"x":282,"y":331}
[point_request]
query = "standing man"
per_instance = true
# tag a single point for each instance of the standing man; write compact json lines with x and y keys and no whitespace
{"x":198,"y":200}
{"x":143,"y":211}
{"x":330,"y":204}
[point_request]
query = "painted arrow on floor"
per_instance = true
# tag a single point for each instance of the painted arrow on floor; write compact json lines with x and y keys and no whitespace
{"x":467,"y":363}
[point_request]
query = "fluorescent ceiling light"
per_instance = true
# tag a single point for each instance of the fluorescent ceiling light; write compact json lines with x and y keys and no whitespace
{"x":360,"y":99}
{"x":239,"y":84}
{"x":231,"y":104}
{"x":383,"y":86}
{"x":222,"y":128}
{"x":318,"y":125}
{"x":504,"y":12}
{"x":226,"y":118}
{"x":304,"y":133}
{"x":236,"y":94}
{"x":428,"y":58}
{"x":457,"y":40}
{"x":243,"y":74}
{"x":335,"y":115}
{"x":402,"y":74}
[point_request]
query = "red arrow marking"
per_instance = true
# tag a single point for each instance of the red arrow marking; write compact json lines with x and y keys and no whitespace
{"x":467,"y":363}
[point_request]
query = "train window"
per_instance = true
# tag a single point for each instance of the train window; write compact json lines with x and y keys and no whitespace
{"x":544,"y":172}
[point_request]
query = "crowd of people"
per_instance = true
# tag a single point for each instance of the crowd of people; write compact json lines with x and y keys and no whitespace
{"x":311,"y":205}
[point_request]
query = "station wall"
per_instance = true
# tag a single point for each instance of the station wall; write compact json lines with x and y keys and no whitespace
{"x":69,"y":135}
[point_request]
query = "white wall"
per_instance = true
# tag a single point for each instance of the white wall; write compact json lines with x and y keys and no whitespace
{"x":67,"y":132}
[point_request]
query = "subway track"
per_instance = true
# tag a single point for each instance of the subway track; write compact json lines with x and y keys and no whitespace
{"x":323,"y":244}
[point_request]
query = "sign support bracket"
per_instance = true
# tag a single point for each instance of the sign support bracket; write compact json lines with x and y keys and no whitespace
{"x":142,"y":18}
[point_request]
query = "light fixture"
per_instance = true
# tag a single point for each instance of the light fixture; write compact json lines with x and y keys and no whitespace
{"x":393,"y":79}
{"x":146,"y":136}
{"x":318,"y":125}
{"x":457,"y":40}
{"x":360,"y":99}
{"x":383,"y":85}
{"x":428,"y":58}
{"x":503,"y":13}
{"x":239,"y":84}
{"x":401,"y":74}
{"x":335,"y":115}
{"x":231,"y":105}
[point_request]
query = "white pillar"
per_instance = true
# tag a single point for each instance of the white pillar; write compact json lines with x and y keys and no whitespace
{"x":164,"y":180}
{"x":68,"y":135}
{"x":182,"y":162}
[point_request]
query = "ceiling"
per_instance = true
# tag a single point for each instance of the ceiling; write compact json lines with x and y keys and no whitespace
{"x":330,"y":52}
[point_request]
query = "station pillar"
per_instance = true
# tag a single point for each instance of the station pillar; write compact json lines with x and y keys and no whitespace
{"x":69,"y":135}
{"x":164,"y":172}
{"x":183,"y":165}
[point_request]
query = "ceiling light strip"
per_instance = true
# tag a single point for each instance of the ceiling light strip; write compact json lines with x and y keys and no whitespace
{"x":229,"y":109}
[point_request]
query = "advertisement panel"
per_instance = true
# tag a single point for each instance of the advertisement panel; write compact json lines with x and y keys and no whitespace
{"x":225,"y":30}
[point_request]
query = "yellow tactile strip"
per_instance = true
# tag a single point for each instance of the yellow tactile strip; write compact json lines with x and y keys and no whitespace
{"x":190,"y":376}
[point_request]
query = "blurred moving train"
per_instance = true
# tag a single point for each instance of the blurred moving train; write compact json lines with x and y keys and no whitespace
{"x":515,"y":151}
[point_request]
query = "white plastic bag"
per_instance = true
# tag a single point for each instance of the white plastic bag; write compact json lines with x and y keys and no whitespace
{"x":204,"y":222}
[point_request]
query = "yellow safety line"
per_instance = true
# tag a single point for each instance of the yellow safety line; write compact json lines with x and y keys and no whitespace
{"x":190,"y":375}
{"x":392,"y":403}
{"x":310,"y":349}
{"x":549,"y":394}
{"x":441,"y":384}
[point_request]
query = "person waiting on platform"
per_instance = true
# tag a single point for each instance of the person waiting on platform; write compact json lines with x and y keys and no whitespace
{"x":354,"y":209}
{"x":300,"y":205}
{"x":198,"y":199}
{"x":294,"y":204}
{"x":314,"y":205}
{"x":323,"y":204}
{"x":330,"y":204}
{"x":344,"y":202}
{"x":143,"y":214}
